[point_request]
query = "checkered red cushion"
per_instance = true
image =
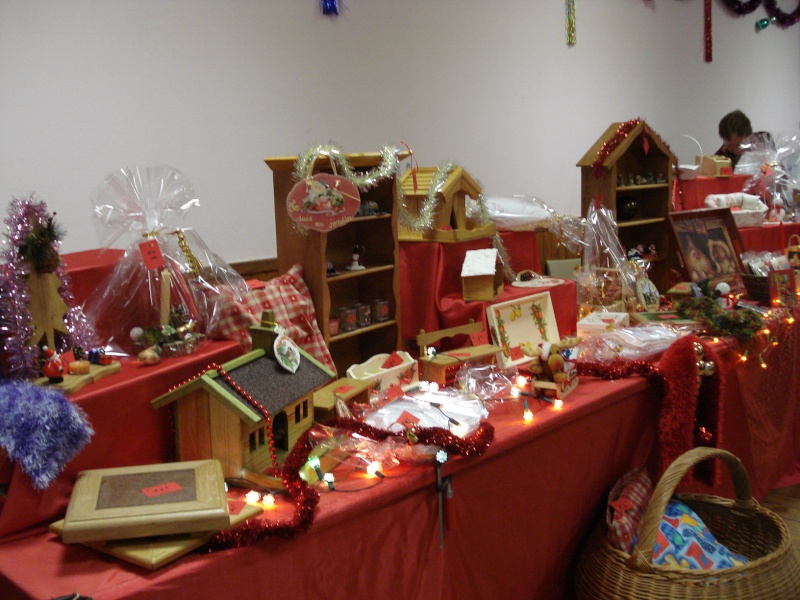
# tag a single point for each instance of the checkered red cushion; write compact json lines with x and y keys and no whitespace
{"x":626,"y":505}
{"x":288,"y":296}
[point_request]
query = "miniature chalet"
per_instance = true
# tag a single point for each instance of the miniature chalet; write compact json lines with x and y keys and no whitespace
{"x":482,"y":275}
{"x":450,"y":221}
{"x":213,"y":421}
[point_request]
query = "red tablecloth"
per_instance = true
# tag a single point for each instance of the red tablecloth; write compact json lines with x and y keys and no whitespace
{"x":522,"y":512}
{"x":770,"y":236}
{"x":693,"y":192}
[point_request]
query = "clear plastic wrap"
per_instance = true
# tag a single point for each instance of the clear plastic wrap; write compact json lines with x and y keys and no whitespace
{"x":773,"y":164}
{"x":629,"y":343}
{"x":447,"y":408}
{"x":488,"y":382}
{"x":519,"y":213}
{"x":167,"y":276}
{"x":353,"y":449}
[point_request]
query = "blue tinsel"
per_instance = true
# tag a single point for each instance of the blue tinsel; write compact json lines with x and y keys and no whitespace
{"x":40,"y":429}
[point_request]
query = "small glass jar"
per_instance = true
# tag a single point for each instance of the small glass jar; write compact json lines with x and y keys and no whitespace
{"x":347,"y":318}
{"x":333,"y":327}
{"x":380,"y":310}
{"x":363,"y":315}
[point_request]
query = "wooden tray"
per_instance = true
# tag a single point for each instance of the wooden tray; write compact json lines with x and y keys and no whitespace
{"x":142,"y":501}
{"x":155,"y":552}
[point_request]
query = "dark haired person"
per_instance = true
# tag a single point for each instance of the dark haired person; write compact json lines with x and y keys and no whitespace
{"x":733,"y":129}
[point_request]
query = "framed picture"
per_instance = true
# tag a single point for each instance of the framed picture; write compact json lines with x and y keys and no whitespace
{"x":782,"y":290}
{"x":520,"y":325}
{"x":708,"y":247}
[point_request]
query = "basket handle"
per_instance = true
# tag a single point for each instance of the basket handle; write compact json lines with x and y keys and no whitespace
{"x":642,"y":554}
{"x":792,"y":237}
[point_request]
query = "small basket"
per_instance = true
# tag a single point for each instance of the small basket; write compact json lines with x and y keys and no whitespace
{"x":742,"y":525}
{"x":757,"y":287}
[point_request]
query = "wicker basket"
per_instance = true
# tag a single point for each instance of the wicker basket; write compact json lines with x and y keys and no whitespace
{"x":604,"y":572}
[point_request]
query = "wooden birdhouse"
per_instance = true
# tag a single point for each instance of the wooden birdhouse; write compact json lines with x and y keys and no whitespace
{"x":482,"y":275}
{"x":450,"y":220}
{"x":214,"y":420}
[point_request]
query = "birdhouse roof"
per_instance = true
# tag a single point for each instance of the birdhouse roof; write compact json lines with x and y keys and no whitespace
{"x":262,"y":378}
{"x":480,"y":262}
{"x":457,"y":180}
{"x":655,"y":144}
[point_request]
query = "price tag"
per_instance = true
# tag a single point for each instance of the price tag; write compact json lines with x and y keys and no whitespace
{"x":516,"y":352}
{"x":479,"y":338}
{"x":393,"y":360}
{"x":343,"y":389}
{"x":235,"y":506}
{"x":151,"y":254}
{"x":161,"y":489}
{"x":406,"y":419}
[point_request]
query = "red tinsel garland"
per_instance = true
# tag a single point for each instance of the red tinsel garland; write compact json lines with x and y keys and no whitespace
{"x":690,"y":412}
{"x":306,"y":498}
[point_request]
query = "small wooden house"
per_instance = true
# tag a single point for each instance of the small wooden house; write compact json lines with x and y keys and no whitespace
{"x":482,"y":275}
{"x":213,"y":420}
{"x":450,"y":220}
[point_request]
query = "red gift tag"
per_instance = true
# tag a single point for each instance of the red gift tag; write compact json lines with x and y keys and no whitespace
{"x":621,"y":504}
{"x":255,"y":284}
{"x":479,"y":338}
{"x":151,"y":254}
{"x":161,"y":489}
{"x":516,"y":352}
{"x":343,"y":389}
{"x":458,"y":354}
{"x":406,"y":419}
{"x":646,"y":145}
{"x":393,"y":360}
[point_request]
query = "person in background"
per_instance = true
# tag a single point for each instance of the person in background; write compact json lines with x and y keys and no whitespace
{"x":733,"y":129}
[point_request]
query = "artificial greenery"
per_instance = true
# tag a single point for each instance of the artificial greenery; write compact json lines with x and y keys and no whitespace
{"x":741,"y":323}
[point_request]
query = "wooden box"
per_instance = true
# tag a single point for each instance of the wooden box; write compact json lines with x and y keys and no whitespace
{"x":715,"y":166}
{"x":518,"y":326}
{"x":442,"y":367}
{"x":349,"y":389}
{"x":141,"y":501}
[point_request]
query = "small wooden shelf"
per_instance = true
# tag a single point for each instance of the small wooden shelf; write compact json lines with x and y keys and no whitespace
{"x":641,"y":188}
{"x":641,"y":210}
{"x":640,"y":222}
{"x":340,"y":275}
{"x":362,"y":330}
{"x":380,"y":280}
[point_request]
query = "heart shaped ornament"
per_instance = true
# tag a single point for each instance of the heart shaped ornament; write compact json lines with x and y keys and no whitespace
{"x":323,"y":202}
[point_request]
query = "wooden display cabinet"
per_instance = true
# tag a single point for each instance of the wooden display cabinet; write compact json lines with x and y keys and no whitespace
{"x":635,"y":182}
{"x":313,"y":249}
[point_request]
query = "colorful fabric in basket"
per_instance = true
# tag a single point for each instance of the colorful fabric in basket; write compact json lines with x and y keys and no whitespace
{"x":683,"y":540}
{"x":626,"y":505}
{"x":288,"y":296}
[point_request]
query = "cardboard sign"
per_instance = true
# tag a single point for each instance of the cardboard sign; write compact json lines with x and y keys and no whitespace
{"x":323,"y":202}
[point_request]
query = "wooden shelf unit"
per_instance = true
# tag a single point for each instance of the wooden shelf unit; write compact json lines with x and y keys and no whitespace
{"x":313,"y":249}
{"x":640,"y":209}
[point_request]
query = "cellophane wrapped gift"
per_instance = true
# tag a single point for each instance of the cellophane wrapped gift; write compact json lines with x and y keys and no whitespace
{"x":167,"y":275}
{"x":773,"y":165}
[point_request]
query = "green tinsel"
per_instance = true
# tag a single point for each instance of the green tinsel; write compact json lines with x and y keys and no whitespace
{"x":741,"y":323}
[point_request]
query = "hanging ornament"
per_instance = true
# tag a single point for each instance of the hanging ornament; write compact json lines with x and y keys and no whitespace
{"x":762,"y":24}
{"x":286,"y":353}
{"x":329,"y":7}
{"x":323,"y":202}
{"x":571,"y":37}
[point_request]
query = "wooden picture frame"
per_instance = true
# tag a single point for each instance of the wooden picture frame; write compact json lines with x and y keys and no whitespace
{"x":520,"y":325}
{"x":146,"y":500}
{"x":708,"y":247}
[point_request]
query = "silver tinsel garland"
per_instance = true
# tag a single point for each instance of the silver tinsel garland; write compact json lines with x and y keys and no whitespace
{"x":390,"y":167}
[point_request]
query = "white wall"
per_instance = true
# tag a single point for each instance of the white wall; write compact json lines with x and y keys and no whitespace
{"x":214,"y":86}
